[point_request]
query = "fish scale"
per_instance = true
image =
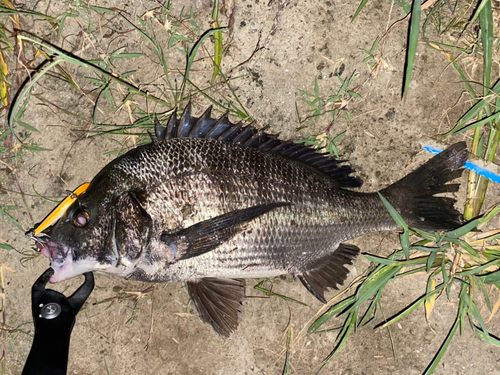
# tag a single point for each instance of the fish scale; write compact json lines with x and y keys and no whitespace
{"x":210,"y":203}
{"x":315,"y":207}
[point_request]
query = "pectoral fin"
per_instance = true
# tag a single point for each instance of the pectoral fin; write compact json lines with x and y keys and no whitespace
{"x":329,"y":272}
{"x":207,"y":235}
{"x":218,"y":302}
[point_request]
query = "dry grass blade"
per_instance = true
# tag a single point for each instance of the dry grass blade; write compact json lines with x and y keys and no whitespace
{"x":429,"y":302}
{"x":494,"y":310}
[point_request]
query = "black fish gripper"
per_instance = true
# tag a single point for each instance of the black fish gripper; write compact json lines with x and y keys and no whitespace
{"x":54,"y":317}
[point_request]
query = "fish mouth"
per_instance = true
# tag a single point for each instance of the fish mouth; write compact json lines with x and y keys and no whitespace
{"x":61,"y":259}
{"x":53,"y":252}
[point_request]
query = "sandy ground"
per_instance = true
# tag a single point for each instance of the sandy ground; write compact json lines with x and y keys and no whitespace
{"x":301,"y":41}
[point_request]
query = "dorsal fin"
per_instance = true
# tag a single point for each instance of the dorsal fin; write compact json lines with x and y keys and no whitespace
{"x":224,"y":130}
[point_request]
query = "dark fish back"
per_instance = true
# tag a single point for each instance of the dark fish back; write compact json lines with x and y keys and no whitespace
{"x":225,"y":131}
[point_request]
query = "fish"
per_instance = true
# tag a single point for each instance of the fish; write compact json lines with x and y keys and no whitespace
{"x":211,"y":203}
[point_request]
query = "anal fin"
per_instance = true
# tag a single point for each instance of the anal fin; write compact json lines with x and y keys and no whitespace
{"x":218,"y":302}
{"x":329,"y":272}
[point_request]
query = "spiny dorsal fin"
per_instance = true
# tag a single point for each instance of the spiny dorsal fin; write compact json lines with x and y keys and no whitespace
{"x":218,"y":302}
{"x":224,"y":130}
{"x":329,"y":272}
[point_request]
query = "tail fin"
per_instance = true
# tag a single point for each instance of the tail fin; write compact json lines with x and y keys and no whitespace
{"x":413,"y":196}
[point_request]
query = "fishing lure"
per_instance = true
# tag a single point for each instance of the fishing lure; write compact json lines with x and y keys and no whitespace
{"x":60,"y":209}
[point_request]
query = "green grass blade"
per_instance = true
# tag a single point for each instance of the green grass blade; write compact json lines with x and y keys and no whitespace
{"x":411,"y":50}
{"x":472,"y":252}
{"x":476,"y":270}
{"x":102,"y":9}
{"x":270,"y":293}
{"x":493,"y":118}
{"x":441,"y":46}
{"x":443,"y":270}
{"x":27,"y":126}
{"x":24,"y":92}
{"x":7,"y":247}
{"x":463,"y":230}
{"x":4,"y":11}
{"x":217,"y":41}
{"x":217,"y":53}
{"x":287,"y":369}
{"x":478,"y":10}
{"x":372,"y":284}
{"x":486,"y":337}
{"x":433,"y":237}
{"x":372,"y":308}
{"x":379,"y":260}
{"x":477,"y":315}
{"x":489,"y":215}
{"x":395,"y":214}
{"x":345,"y":333}
{"x":334,"y":310}
{"x":476,"y":109}
{"x":405,"y":236}
{"x":430,"y":261}
{"x":410,"y":308}
{"x":196,"y":46}
{"x":360,"y":8}
{"x":486,"y":24}
{"x":490,"y":278}
{"x":482,"y":287}
{"x":14,"y":222}
{"x":106,"y":367}
{"x":439,"y":355}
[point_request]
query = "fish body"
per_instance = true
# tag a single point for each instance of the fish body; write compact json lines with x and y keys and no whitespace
{"x":210,"y":203}
{"x":214,"y":178}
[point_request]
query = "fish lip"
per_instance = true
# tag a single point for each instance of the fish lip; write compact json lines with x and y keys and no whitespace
{"x":57,"y":255}
{"x":48,"y":248}
{"x":61,"y":257}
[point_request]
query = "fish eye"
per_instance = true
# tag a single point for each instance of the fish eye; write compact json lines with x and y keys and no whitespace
{"x":81,"y":218}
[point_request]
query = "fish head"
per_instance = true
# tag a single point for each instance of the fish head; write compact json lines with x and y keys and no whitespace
{"x":78,"y":241}
{"x":101,"y":230}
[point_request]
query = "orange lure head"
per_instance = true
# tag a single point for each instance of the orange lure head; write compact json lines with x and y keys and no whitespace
{"x":57,"y":212}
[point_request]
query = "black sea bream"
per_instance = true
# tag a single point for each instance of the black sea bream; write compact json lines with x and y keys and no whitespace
{"x":210,"y":203}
